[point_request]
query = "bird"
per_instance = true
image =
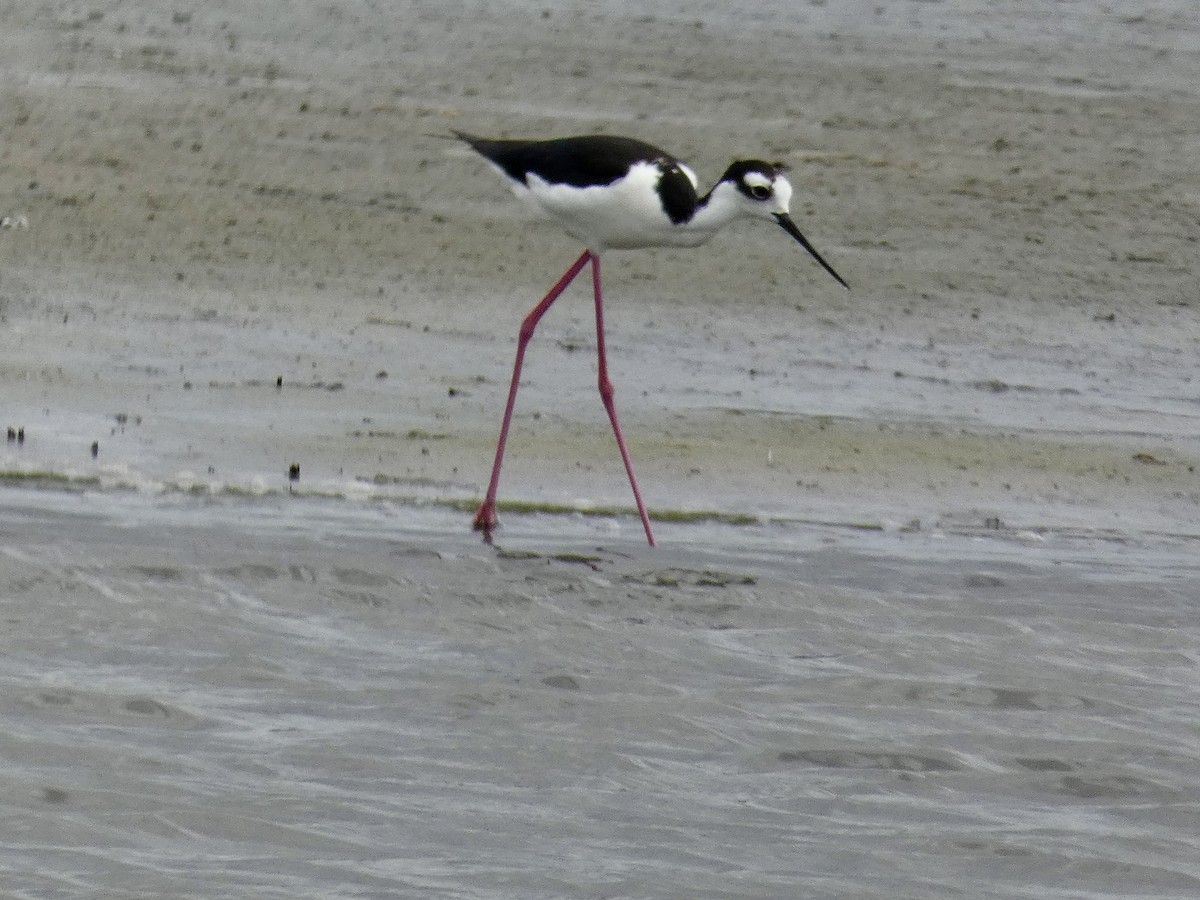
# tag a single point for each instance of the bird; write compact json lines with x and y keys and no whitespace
{"x":619,"y":193}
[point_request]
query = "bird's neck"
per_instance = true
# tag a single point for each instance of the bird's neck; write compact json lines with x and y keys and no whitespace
{"x":716,"y":209}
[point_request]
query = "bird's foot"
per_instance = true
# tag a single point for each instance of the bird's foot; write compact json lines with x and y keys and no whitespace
{"x":486,"y":520}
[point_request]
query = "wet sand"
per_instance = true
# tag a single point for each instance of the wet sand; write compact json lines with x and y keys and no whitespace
{"x":217,"y":201}
{"x":949,"y":648}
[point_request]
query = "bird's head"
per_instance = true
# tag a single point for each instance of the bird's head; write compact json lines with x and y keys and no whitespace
{"x":760,"y":190}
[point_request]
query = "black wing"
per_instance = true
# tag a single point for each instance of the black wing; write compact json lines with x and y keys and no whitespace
{"x":592,"y":160}
{"x":584,"y":161}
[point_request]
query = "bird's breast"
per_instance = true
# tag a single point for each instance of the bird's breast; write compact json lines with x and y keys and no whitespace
{"x":647,"y":207}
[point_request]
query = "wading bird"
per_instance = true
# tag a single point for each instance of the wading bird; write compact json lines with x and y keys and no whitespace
{"x":617,"y":193}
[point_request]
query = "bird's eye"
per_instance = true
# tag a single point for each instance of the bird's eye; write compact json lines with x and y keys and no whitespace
{"x":760,"y":191}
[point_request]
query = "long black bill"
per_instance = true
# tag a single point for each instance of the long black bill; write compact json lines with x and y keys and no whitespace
{"x":786,"y":223}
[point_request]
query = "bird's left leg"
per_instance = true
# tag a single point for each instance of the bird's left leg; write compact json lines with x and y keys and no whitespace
{"x":485,"y":518}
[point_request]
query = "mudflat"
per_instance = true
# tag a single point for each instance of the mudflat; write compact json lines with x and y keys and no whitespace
{"x":922,"y":619}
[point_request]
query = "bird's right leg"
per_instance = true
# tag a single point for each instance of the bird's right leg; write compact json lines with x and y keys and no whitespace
{"x":485,"y":519}
{"x":606,"y":395}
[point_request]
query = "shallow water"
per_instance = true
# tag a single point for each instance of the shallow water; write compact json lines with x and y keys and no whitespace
{"x":226,"y":698}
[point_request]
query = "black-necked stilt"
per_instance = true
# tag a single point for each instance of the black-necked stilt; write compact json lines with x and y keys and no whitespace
{"x":619,"y":193}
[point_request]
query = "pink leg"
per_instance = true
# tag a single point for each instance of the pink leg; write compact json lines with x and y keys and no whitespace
{"x":485,"y":519}
{"x":606,"y":394}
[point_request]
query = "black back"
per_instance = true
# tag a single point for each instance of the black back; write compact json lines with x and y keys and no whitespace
{"x":593,"y":160}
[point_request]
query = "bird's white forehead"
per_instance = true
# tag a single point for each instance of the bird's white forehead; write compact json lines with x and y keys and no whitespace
{"x":783,"y":191}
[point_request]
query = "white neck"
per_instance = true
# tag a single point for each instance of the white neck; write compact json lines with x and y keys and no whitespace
{"x":717,"y":209}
